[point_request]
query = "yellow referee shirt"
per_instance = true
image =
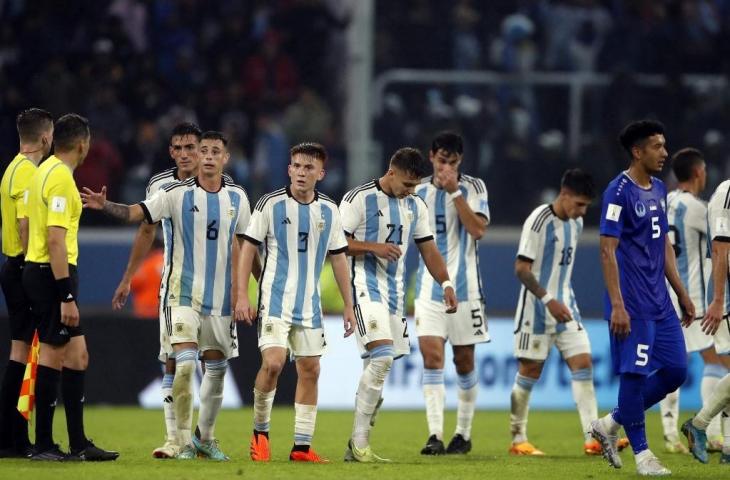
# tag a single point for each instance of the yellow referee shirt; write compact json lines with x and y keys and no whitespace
{"x":12,"y":202}
{"x":53,"y":201}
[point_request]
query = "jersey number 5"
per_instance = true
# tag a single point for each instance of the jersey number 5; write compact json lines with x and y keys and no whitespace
{"x":643,"y":357}
{"x":656,"y":229}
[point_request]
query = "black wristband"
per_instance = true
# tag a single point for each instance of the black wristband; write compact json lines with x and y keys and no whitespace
{"x":65,"y":290}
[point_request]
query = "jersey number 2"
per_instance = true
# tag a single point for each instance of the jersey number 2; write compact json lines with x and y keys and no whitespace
{"x":393,"y":229}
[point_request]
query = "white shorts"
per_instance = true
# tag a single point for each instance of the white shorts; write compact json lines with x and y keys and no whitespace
{"x":722,"y":337}
{"x":301,"y":341}
{"x":532,"y":346}
{"x":374,"y":322}
{"x":695,"y":339}
{"x":210,"y":332}
{"x":466,"y":326}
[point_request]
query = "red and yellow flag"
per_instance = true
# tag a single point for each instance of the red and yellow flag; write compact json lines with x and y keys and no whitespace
{"x":26,"y":401}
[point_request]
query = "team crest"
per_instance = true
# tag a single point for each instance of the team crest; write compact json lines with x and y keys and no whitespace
{"x":418,"y":321}
{"x":640,"y":209}
{"x":373,"y":325}
{"x":320,"y":226}
{"x":268,"y":328}
{"x":231,"y":212}
{"x":179,"y":327}
{"x":652,"y":205}
{"x":536,"y":344}
{"x":409,"y":215}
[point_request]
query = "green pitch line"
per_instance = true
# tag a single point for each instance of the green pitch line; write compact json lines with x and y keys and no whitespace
{"x":397,"y":435}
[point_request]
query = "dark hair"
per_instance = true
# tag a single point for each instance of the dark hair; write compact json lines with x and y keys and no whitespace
{"x":579,"y":182}
{"x":310,"y":149}
{"x":639,"y":131}
{"x":186,"y":128}
{"x":684,"y":161}
{"x":449,"y":141}
{"x":68,"y":130}
{"x":410,"y":161}
{"x":213,"y":135}
{"x":31,"y":124}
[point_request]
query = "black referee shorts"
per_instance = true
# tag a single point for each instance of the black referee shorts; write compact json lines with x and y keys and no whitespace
{"x":40,"y":286}
{"x":11,"y":280}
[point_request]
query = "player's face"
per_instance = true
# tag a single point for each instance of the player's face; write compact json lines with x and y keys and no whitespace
{"x":402,"y":183}
{"x":443,"y":161}
{"x":652,"y":154}
{"x":575,"y":205}
{"x":213,"y":156}
{"x":305,"y":171}
{"x":184,"y":151}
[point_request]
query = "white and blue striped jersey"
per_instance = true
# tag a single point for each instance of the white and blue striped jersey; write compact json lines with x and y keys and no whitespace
{"x":718,"y":229}
{"x":457,"y":247}
{"x":550,"y":244}
{"x":370,"y":215}
{"x":156,"y":183}
{"x":203,"y":225}
{"x":687,"y":216}
{"x":297,"y":238}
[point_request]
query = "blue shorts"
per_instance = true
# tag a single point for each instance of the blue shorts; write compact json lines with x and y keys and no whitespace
{"x":651,"y":345}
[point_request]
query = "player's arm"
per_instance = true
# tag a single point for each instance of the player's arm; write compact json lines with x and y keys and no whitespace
{"x":388,"y":251}
{"x":437,"y":268}
{"x":342,"y":277}
{"x":140,"y":248}
{"x":715,"y":310}
{"x":59,"y":266}
{"x":474,"y":223}
{"x":126,"y":213}
{"x":523,"y":272}
{"x":23,"y":232}
{"x":243,"y":310}
{"x":256,"y":268}
{"x":672,"y":274}
{"x":620,"y":321}
{"x":236,"y":247}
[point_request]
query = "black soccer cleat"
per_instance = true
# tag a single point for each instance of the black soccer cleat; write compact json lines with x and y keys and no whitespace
{"x":459,"y":445}
{"x":92,"y":453}
{"x":434,"y":446}
{"x":52,"y":454}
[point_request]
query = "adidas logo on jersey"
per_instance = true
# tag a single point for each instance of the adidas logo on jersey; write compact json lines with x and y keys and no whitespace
{"x":286,"y":221}
{"x":380,"y":213}
{"x":194,"y":209}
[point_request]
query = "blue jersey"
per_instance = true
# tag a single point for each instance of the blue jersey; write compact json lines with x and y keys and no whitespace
{"x":638,"y":218}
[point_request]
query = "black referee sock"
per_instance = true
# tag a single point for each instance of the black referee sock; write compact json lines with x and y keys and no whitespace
{"x":13,"y":427}
{"x":46,"y":393}
{"x":72,"y":388}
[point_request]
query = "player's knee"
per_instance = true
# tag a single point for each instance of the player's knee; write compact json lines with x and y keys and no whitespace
{"x":381,"y":360}
{"x":673,"y":377}
{"x":19,"y":351}
{"x":433,"y":361}
{"x":216,"y":368}
{"x":463,"y":361}
{"x":272,"y":367}
{"x":582,"y":374}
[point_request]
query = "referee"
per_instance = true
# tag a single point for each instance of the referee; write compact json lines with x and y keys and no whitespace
{"x":51,"y":282}
{"x":35,"y":131}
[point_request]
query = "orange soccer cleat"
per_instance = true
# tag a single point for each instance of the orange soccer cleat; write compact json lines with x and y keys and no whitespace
{"x":259,"y":448}
{"x":593,"y":447}
{"x":525,"y":448}
{"x":309,"y":456}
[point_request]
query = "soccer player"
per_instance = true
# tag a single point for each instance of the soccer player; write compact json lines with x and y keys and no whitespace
{"x":458,"y":217}
{"x":716,"y":323}
{"x":379,"y":218}
{"x":35,"y":130}
{"x":50,"y":281}
{"x":687,"y":216}
{"x":647,"y":345}
{"x":206,"y":213}
{"x":183,"y":149}
{"x":299,"y":227}
{"x":547,"y":313}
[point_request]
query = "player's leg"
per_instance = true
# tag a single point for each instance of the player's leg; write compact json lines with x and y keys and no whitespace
{"x":669,"y":412}
{"x":712,"y":373}
{"x":211,"y":399}
{"x":170,"y":448}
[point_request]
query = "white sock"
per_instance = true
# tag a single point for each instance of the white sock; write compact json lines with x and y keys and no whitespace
{"x":712,"y":374}
{"x":368,"y":392}
{"x":726,"y":430}
{"x":519,"y":407}
{"x":611,"y":425}
{"x":263,"y":402}
{"x":714,"y":404}
{"x":168,"y":407}
{"x":642,"y":455}
{"x":182,"y":393}
{"x":669,"y":408}
{"x":304,"y":419}
{"x":211,"y":397}
{"x":434,"y":393}
{"x":584,"y":395}
{"x":468,"y":388}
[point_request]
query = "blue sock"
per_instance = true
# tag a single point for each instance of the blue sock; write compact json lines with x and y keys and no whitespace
{"x":630,"y":412}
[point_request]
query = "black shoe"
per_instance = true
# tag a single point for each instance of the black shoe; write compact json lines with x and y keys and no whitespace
{"x":92,"y":453}
{"x":52,"y":454}
{"x":434,"y":446}
{"x":459,"y":445}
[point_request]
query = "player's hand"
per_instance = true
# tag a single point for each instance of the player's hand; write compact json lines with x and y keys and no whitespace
{"x":348,"y":318}
{"x":388,"y":251}
{"x":92,"y":199}
{"x":620,"y":322}
{"x":688,"y":310}
{"x":120,"y":295}
{"x":450,"y":300}
{"x":244,"y":312}
{"x":559,"y":311}
{"x":449,"y":179}
{"x":713,"y":317}
{"x":69,"y":314}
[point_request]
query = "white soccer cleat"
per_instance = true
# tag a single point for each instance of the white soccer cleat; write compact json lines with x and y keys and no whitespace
{"x":650,"y":467}
{"x":168,"y":450}
{"x":673,"y":445}
{"x":608,"y":443}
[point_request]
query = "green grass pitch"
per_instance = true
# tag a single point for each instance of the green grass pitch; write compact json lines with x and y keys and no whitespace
{"x":397,"y":435}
